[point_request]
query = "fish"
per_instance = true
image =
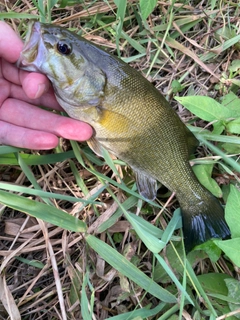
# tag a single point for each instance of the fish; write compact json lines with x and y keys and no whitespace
{"x":131,"y":119}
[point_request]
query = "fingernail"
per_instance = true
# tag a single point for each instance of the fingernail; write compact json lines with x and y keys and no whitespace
{"x":41,"y":89}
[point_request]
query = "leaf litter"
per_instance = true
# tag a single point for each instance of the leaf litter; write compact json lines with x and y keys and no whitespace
{"x":48,"y":272}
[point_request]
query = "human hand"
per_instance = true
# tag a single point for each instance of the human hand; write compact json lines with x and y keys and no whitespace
{"x":22,"y":123}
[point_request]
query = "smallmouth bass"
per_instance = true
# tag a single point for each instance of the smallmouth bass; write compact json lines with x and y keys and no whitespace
{"x":131,"y":119}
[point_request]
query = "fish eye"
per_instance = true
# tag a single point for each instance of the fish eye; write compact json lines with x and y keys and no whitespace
{"x":64,"y":48}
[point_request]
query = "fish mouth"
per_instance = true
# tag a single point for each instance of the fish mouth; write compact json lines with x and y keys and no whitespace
{"x":32,"y":54}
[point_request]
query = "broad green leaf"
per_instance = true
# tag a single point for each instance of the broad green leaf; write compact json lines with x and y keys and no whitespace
{"x":203,"y":173}
{"x":235,"y":65}
{"x":231,"y":148}
{"x":42,"y":211}
{"x":236,"y":82}
{"x":232,"y":103}
{"x":234,"y":126}
{"x":176,"y":86}
{"x":233,"y":211}
{"x":233,"y":286}
{"x":120,"y":263}
{"x":205,"y":108}
{"x":212,"y":250}
{"x":231,"y":248}
{"x":214,"y":283}
{"x":147,"y":7}
{"x":218,"y":127}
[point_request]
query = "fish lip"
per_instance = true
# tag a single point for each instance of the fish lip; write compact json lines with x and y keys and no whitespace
{"x":29,"y":56}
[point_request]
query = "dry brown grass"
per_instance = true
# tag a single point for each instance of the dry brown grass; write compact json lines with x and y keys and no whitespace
{"x":47,"y":284}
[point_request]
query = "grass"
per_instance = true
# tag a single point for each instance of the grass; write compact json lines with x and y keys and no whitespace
{"x":101,"y":252}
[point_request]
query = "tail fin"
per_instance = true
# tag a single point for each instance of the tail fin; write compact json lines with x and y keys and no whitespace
{"x":203,"y":221}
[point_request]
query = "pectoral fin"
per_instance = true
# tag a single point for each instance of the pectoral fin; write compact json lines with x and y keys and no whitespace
{"x":147,"y":186}
{"x":95,"y":146}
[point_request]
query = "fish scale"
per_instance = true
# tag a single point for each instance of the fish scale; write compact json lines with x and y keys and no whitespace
{"x":130,"y":118}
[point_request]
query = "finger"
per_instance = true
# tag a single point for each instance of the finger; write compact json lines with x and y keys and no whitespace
{"x":5,"y":90}
{"x":47,"y":99}
{"x":34,"y":84}
{"x":10,"y":44}
{"x":25,"y":115}
{"x":26,"y":138}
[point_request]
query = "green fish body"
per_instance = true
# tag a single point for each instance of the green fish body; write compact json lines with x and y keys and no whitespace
{"x":131,"y":119}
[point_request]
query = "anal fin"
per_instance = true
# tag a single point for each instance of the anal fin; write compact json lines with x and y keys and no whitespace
{"x":147,"y":186}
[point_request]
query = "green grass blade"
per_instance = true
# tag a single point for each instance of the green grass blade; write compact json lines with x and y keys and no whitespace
{"x":8,"y":149}
{"x":198,"y":286}
{"x":31,"y":177}
{"x":45,"y":194}
{"x":147,"y":226}
{"x":109,"y":162}
{"x":151,"y":242}
{"x":8,"y":158}
{"x":84,"y":300}
{"x":141,"y":313}
{"x":175,"y":223}
{"x":33,"y":263}
{"x":78,"y":178}
{"x":104,"y":178}
{"x":120,"y":263}
{"x":218,"y":152}
{"x":127,"y":204}
{"x":42,"y":211}
{"x":173,"y":277}
{"x":14,"y":15}
{"x":227,"y":44}
{"x":121,"y":5}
